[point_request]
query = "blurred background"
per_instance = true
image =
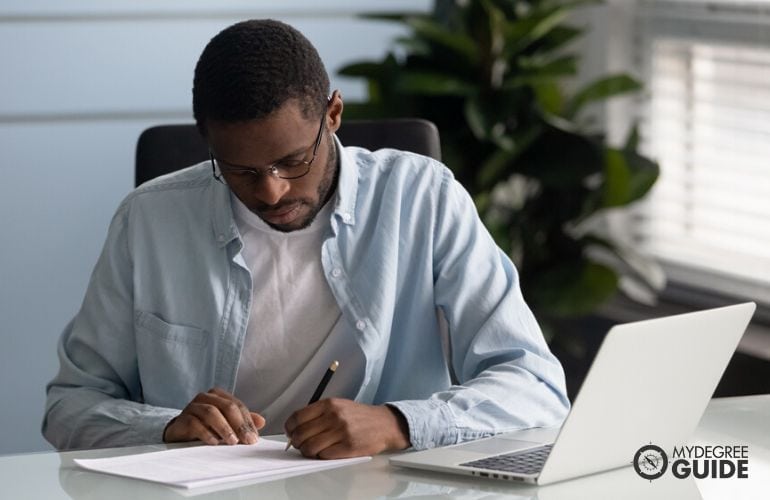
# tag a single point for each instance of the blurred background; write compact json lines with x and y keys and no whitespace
{"x":81,"y":80}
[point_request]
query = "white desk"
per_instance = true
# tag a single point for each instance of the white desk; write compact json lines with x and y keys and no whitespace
{"x":729,"y":421}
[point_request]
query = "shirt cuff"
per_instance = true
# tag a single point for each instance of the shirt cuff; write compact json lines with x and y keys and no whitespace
{"x":150,"y":426}
{"x":431,"y":422}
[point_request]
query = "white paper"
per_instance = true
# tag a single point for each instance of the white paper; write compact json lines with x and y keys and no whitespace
{"x":199,"y":466}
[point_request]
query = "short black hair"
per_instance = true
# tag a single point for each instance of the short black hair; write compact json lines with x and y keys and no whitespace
{"x":252,"y":68}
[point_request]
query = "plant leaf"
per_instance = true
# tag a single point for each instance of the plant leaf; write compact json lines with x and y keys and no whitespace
{"x":521,"y":33}
{"x":427,"y":83}
{"x":617,"y":179}
{"x":601,"y":89}
{"x":642,"y":278}
{"x":496,"y":25}
{"x":632,"y":142}
{"x":628,"y":176}
{"x":363,"y":69}
{"x":459,"y":43}
{"x":399,"y":17}
{"x":533,"y":71}
{"x":476,"y":118}
{"x":540,"y":24}
{"x":644,"y":173}
{"x":561,"y":158}
{"x":549,"y":96}
{"x":415,"y":46}
{"x":494,"y":169}
{"x":558,"y":37}
{"x":573,"y":288}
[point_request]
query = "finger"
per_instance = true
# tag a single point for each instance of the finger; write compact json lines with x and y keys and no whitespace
{"x":197,"y":430}
{"x":257,"y":419}
{"x":314,"y":446}
{"x":340,"y":450}
{"x":233,"y":411}
{"x":245,"y":412}
{"x":304,"y":415}
{"x":237,"y":414}
{"x":211,"y":417}
{"x":316,"y":427}
{"x":188,"y":428}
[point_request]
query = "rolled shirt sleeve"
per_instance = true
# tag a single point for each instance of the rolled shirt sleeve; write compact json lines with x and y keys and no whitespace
{"x":94,"y":400}
{"x":507,"y":378}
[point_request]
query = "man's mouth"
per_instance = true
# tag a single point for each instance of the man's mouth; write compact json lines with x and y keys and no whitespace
{"x":281,"y":216}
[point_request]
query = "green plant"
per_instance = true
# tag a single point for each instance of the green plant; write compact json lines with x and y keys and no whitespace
{"x":490,"y":74}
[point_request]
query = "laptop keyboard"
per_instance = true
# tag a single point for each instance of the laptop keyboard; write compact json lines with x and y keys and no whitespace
{"x":520,"y":462}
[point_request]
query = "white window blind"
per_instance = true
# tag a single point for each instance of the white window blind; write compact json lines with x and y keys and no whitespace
{"x":706,"y":120}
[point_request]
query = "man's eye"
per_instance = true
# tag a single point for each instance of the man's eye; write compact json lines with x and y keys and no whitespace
{"x":242,"y":172}
{"x":290,"y":164}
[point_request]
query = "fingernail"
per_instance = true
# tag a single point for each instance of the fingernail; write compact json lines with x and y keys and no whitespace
{"x":251,"y":437}
{"x":232,"y":439}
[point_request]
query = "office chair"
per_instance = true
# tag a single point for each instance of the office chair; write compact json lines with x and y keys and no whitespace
{"x":165,"y":148}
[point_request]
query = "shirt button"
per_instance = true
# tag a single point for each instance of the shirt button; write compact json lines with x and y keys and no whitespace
{"x":361,"y":324}
{"x":346,"y":217}
{"x":221,"y":237}
{"x":336,"y":272}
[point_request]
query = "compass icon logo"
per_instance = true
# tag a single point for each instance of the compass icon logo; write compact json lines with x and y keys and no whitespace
{"x":650,"y":462}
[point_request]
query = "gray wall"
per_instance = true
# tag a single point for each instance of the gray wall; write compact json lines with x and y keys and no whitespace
{"x":80,"y":80}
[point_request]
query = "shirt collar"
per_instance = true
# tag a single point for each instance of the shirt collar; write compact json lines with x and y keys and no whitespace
{"x":223,"y":220}
{"x":347,"y":185}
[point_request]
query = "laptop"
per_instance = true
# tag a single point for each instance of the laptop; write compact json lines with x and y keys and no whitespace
{"x":649,"y":383}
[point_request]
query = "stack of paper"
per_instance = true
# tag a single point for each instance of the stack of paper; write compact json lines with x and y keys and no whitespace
{"x":199,"y":466}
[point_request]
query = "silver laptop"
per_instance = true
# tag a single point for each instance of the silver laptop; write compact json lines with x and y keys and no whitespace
{"x":649,"y":383}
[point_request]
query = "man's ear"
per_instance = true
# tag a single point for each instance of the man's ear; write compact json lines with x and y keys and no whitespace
{"x":334,"y":115}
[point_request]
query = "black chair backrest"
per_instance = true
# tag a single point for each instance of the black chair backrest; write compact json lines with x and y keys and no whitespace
{"x":166,"y":148}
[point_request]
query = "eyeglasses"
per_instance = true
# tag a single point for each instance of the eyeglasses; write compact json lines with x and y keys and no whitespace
{"x":283,"y":169}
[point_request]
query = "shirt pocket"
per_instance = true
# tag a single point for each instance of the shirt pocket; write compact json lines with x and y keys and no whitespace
{"x":174,"y":361}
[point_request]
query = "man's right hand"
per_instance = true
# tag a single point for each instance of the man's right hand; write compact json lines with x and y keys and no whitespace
{"x":215,"y":417}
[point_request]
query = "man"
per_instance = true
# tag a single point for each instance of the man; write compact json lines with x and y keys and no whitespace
{"x":226,"y":289}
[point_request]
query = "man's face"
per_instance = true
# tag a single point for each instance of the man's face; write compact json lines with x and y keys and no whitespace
{"x":286,"y":135}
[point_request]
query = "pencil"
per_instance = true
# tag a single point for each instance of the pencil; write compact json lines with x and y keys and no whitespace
{"x":321,"y":388}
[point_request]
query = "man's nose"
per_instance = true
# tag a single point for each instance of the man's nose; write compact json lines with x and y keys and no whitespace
{"x":271,"y":189}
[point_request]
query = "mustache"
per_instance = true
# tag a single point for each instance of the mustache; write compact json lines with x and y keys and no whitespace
{"x":283,"y":206}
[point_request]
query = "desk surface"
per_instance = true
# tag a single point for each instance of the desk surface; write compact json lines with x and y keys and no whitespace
{"x":728,"y":421}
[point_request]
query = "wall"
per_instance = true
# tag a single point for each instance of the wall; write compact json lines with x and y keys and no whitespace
{"x":78,"y":85}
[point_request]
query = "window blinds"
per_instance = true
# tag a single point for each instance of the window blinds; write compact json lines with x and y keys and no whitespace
{"x":706,"y":119}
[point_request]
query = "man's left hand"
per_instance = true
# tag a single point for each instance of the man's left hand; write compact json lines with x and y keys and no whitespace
{"x":340,"y":428}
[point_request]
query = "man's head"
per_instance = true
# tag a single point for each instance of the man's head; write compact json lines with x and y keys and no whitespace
{"x":260,"y":97}
{"x":252,"y":68}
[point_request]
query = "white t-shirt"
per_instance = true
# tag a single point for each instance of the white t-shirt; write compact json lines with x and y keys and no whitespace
{"x":289,"y":338}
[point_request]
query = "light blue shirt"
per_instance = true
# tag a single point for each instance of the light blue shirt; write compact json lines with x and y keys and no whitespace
{"x":166,"y":309}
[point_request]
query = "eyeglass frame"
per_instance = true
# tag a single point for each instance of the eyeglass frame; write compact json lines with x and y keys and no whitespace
{"x":270,"y":169}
